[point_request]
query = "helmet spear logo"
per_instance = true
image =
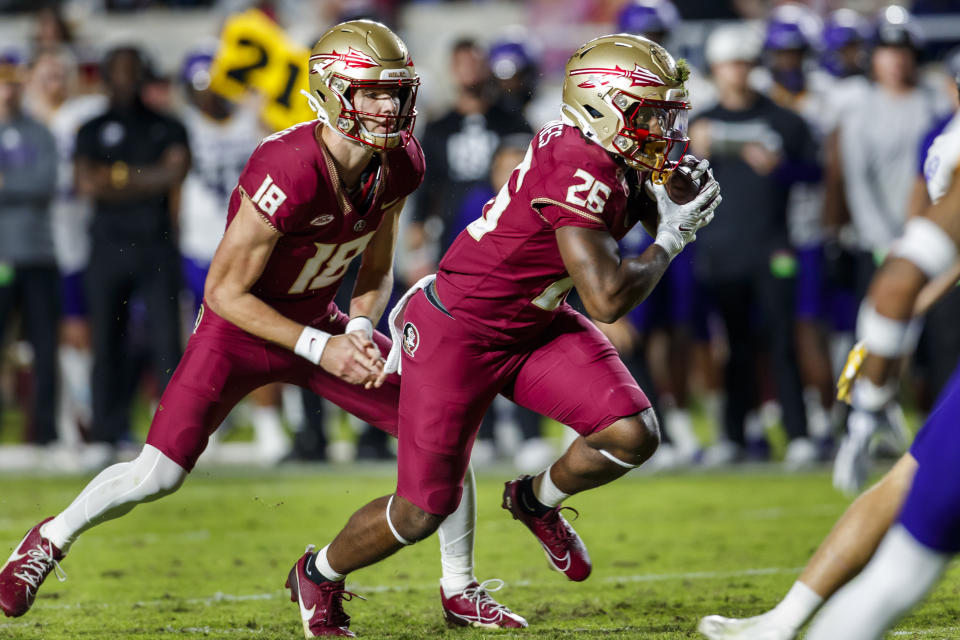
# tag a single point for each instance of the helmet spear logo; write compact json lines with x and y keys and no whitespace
{"x":639,"y":77}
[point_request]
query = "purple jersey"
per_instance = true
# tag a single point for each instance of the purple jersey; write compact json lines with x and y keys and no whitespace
{"x":292,"y":182}
{"x":504,"y":275}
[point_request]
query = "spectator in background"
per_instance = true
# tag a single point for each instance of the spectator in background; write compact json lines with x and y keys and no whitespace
{"x":50,"y":98}
{"x":51,"y":30}
{"x":458,"y":146}
{"x":514,"y":67}
{"x":28,"y":270}
{"x":131,"y":161}
{"x":757,"y":150}
{"x":842,"y":52}
{"x":794,"y":83}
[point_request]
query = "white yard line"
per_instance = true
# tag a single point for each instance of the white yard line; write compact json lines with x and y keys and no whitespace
{"x":227,"y":597}
{"x":932,"y":631}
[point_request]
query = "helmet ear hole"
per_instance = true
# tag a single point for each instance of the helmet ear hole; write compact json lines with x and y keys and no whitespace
{"x":596,"y":115}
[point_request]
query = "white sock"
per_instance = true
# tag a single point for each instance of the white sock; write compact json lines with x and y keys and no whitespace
{"x":266,"y":423}
{"x":456,"y":535}
{"x":114,"y":492}
{"x":800,"y":603}
{"x":818,"y":421}
{"x":549,"y":495}
{"x":900,"y":574}
{"x":323,"y":566}
{"x":679,"y":426}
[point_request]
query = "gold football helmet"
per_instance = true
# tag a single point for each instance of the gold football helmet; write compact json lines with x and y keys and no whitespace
{"x":362,"y":54}
{"x":627,"y":93}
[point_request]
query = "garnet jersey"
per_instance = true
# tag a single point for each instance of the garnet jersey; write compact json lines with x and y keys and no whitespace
{"x":294,"y":186}
{"x":504,"y":274}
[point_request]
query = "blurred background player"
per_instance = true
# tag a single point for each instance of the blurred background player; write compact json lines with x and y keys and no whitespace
{"x":222,"y":137}
{"x":877,"y":137}
{"x":29,"y":280}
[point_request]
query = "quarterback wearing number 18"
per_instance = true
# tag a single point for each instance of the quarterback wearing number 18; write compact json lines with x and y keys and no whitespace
{"x":495,"y":320}
{"x":310,"y":199}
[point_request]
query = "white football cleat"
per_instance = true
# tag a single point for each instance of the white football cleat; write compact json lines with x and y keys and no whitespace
{"x":762,"y":627}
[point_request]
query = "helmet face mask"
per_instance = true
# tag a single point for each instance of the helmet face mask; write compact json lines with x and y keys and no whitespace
{"x":355,"y":123}
{"x":363,"y":56}
{"x":627,"y":94}
{"x":653,"y":131}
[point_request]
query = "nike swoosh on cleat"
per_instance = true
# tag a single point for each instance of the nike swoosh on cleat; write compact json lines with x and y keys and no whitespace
{"x":554,"y":560}
{"x":305,"y":614}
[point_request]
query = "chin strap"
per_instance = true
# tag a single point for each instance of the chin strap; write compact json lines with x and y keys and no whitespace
{"x":314,"y":105}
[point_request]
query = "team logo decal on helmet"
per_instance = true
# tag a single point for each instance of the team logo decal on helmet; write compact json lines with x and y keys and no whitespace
{"x":411,"y":338}
{"x":352,"y":59}
{"x":363,"y":55}
{"x":639,"y":77}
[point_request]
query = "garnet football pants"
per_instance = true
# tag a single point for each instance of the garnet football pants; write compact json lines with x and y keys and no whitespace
{"x":222,"y":364}
{"x":570,"y":373}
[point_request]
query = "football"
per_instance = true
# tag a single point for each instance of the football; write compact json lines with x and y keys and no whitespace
{"x":681,"y":186}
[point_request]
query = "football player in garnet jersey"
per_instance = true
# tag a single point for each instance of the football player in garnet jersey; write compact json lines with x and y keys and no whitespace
{"x":310,"y":199}
{"x":494,"y":318}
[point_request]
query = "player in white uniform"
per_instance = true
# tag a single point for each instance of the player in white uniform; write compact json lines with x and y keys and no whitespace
{"x":923,"y":482}
{"x":222,"y":137}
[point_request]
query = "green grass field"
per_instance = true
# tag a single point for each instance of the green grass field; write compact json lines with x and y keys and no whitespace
{"x":210,"y":561}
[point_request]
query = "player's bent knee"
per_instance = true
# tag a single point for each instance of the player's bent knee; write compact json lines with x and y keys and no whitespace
{"x":629,"y":441}
{"x":156,"y":475}
{"x":409,"y":523}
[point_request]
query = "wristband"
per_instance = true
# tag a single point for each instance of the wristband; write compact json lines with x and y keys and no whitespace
{"x":311,"y":344}
{"x":869,"y":397}
{"x":883,"y":336}
{"x":360,"y":323}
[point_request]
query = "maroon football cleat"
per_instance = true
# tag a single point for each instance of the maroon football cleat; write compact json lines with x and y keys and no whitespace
{"x":473,"y":607}
{"x":564,"y":550}
{"x":26,"y":569}
{"x":321,"y":605}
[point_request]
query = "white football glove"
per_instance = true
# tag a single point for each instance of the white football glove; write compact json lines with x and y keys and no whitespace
{"x":679,"y":223}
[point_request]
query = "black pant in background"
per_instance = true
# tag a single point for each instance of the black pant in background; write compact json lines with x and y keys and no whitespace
{"x":35,"y":291}
{"x":758,"y":312}
{"x":119,"y":270}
